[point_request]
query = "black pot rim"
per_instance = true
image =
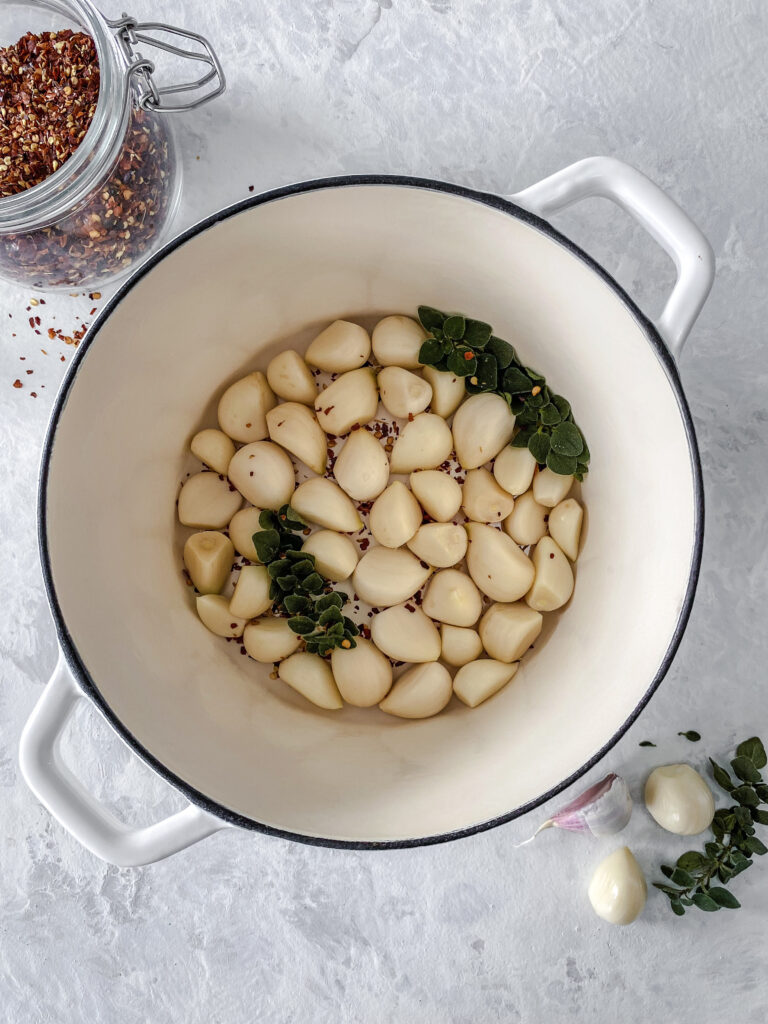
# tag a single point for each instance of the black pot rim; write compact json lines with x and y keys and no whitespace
{"x":76,"y":664}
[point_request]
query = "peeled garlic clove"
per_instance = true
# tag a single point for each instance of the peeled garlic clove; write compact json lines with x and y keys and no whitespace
{"x":396,"y":341}
{"x":448,"y":391}
{"x":323,"y":502}
{"x":362,"y":673}
{"x":208,"y":560}
{"x":387,"y":576}
{"x":395,"y":516}
{"x":263,"y":474}
{"x":311,"y":676}
{"x":553,"y":584}
{"x":513,"y":468}
{"x":527,"y":523}
{"x":618,"y":890}
{"x":242,"y":527}
{"x":290,"y":378}
{"x":403,"y":393}
{"x":565,"y":522}
{"x":482,"y":426}
{"x":496,"y":563}
{"x":216,"y":615}
{"x":478,"y":680}
{"x":550,"y":488}
{"x":335,"y":555}
{"x":251,"y":597}
{"x":293,"y":427}
{"x":206,"y":500}
{"x":459,"y":645}
{"x":214,"y":448}
{"x":440,"y":544}
{"x":482,"y":498}
{"x":508,"y":630}
{"x":405,"y":635}
{"x":679,"y":799}
{"x":340,"y":347}
{"x":351,"y":400}
{"x":452,"y":597}
{"x":244,"y":406}
{"x":362,"y":467}
{"x":424,"y":442}
{"x":437,"y":493}
{"x":270,"y":639}
{"x":421,"y":692}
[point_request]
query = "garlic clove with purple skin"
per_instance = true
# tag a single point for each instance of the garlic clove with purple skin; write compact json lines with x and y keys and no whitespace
{"x":601,"y":810}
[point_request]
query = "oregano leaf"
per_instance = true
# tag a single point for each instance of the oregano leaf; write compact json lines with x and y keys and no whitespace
{"x":754,"y":750}
{"x":567,"y":440}
{"x":454,"y":327}
{"x":431,"y":318}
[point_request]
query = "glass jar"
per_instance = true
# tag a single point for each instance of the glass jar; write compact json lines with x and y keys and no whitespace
{"x":111,"y":203}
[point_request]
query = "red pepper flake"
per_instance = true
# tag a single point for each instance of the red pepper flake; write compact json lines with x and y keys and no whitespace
{"x":250,"y":187}
{"x":468,"y":356}
{"x":552,"y":554}
{"x":410,"y":607}
{"x":248,"y":426}
{"x":33,"y":394}
{"x":17,"y":384}
{"x":364,"y":544}
{"x":30,"y":371}
{"x":410,"y":417}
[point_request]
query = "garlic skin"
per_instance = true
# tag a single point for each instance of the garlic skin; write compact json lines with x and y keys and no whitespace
{"x":362,"y":467}
{"x":395,"y":516}
{"x":424,"y":443}
{"x":618,"y":890}
{"x":352,"y":399}
{"x":482,"y":426}
{"x":448,"y":391}
{"x":403,"y":393}
{"x":679,"y":799}
{"x":602,"y":810}
{"x":341,"y":347}
{"x":294,"y":427}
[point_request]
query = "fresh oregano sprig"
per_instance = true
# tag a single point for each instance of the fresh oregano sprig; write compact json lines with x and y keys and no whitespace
{"x":734,"y":841}
{"x":469,"y":349}
{"x":297,"y":589}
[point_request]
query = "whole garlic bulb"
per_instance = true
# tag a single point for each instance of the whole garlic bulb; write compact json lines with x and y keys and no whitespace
{"x":618,"y":890}
{"x":679,"y":799}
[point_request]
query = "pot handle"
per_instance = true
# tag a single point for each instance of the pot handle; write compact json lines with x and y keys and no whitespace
{"x":75,"y":808}
{"x":657,"y":212}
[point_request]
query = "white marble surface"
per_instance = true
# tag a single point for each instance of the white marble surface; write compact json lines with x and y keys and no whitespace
{"x":243,"y":928}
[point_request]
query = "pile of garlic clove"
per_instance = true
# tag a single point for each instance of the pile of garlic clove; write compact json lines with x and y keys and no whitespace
{"x":452,"y":544}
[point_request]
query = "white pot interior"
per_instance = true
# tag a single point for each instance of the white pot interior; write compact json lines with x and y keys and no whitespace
{"x":220,"y":305}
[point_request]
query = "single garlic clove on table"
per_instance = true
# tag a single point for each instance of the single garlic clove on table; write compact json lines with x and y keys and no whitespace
{"x":483,"y":500}
{"x":437,"y":493}
{"x":388,"y":576}
{"x":553,"y":584}
{"x":618,"y":890}
{"x":459,"y":645}
{"x":679,"y":799}
{"x":440,"y":544}
{"x":263,"y":473}
{"x":216,"y":615}
{"x":242,"y":527}
{"x":482,"y":426}
{"x":207,"y":501}
{"x":362,"y":673}
{"x":243,"y":408}
{"x":214,"y":448}
{"x":565,"y":522}
{"x":323,"y":502}
{"x":311,"y":676}
{"x":395,"y":516}
{"x":397,"y":340}
{"x":341,"y":347}
{"x":476,"y":681}
{"x":496,"y":564}
{"x":527,"y":522}
{"x":208,"y":560}
{"x":513,"y":468}
{"x":362,"y":467}
{"x":424,"y":443}
{"x":420,"y":692}
{"x":269,"y":639}
{"x":452,"y":597}
{"x":508,"y":630}
{"x":251,"y":597}
{"x":405,"y":634}
{"x":448,"y":391}
{"x":352,"y":400}
{"x":294,"y":427}
{"x":551,"y":488}
{"x":335,"y":555}
{"x":403,"y":393}
{"x":290,"y":378}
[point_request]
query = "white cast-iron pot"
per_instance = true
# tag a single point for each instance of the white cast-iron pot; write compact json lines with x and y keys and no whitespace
{"x":244,"y":749}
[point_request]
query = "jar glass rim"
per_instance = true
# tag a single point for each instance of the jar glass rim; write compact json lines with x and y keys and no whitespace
{"x":77,"y":176}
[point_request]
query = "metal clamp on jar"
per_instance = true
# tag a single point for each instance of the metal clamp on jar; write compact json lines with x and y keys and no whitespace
{"x":110,"y":203}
